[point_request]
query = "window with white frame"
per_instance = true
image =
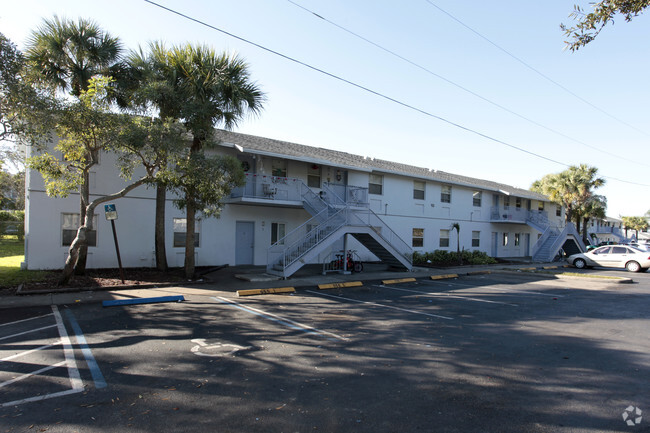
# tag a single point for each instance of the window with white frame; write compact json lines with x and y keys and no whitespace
{"x":558,"y":211}
{"x":445,"y":194}
{"x":278,"y":231}
{"x":418,"y":238}
{"x":517,"y":239}
{"x":540,"y":205}
{"x":505,"y":239}
{"x":506,"y":202}
{"x":476,"y":238}
{"x":444,"y":238}
{"x":376,"y":184}
{"x":279,"y":167}
{"x":180,"y":232}
{"x":313,"y":176}
{"x":418,"y":189}
{"x":477,"y":198}
{"x":70,"y":225}
{"x":518,"y":202}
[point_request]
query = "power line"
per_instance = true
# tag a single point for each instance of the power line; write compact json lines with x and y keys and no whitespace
{"x":538,"y":72}
{"x":464,"y":88}
{"x":366,"y":89}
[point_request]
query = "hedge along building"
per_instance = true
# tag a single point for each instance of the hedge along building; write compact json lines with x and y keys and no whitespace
{"x":303,"y":204}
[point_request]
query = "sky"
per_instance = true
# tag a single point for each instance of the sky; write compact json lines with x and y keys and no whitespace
{"x":481,"y":89}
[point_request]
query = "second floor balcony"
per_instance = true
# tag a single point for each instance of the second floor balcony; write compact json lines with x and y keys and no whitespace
{"x":289,"y":192}
{"x":518,"y":216}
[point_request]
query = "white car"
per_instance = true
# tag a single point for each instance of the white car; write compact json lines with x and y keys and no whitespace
{"x":613,"y":256}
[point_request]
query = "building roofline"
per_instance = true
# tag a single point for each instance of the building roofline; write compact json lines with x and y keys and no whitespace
{"x":283,"y":149}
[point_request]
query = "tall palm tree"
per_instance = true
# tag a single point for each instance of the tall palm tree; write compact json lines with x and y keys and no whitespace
{"x":217,"y":91}
{"x":571,"y":188}
{"x":148,"y":80}
{"x":65,"y":55}
{"x":594,"y":207}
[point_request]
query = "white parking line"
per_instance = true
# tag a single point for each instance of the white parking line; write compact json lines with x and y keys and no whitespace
{"x":73,"y":371}
{"x":522,"y":292}
{"x":33,"y":373}
{"x":375,"y":304}
{"x":27,"y":352}
{"x":27,"y":332}
{"x":76,"y":384}
{"x":282,"y":320}
{"x":446,"y":295}
{"x":25,"y":320}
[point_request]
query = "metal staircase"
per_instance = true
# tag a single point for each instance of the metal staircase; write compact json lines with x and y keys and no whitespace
{"x":332,"y":218}
{"x":552,"y":240}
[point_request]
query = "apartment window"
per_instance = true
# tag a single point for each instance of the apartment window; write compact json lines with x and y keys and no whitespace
{"x":418,"y":189}
{"x":444,"y":238}
{"x":540,"y":205}
{"x":518,"y":202}
{"x":445,"y":194}
{"x":313,"y":176}
{"x":376,"y":184}
{"x":418,"y":238}
{"x":505,"y":239}
{"x":517,"y":238}
{"x":476,"y":239}
{"x":278,"y":231}
{"x":558,"y":211}
{"x":180,"y":230}
{"x":477,"y":198}
{"x":70,"y":225}
{"x":279,"y":167}
{"x":506,"y":202}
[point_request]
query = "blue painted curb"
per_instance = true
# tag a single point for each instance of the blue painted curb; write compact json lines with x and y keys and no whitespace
{"x":178,"y":298}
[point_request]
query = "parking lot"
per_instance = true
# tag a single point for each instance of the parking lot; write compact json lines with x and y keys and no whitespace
{"x":490,"y":353}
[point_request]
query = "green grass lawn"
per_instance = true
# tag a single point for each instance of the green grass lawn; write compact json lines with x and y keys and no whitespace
{"x":12,"y":253}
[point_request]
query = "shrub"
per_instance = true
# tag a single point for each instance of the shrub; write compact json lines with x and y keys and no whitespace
{"x":447,"y":258}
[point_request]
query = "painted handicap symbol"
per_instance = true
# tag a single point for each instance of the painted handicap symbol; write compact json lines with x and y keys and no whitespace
{"x":216,"y":349}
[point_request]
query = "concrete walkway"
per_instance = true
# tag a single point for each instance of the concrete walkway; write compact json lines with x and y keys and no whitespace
{"x":232,"y":279}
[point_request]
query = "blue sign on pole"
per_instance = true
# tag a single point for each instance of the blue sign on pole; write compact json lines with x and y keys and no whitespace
{"x":111,"y":211}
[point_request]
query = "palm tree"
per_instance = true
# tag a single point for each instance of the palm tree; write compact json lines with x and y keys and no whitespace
{"x":145,"y":81}
{"x":65,"y":55}
{"x":595,"y":207}
{"x":571,"y":188}
{"x":217,"y":90}
{"x":456,"y":226}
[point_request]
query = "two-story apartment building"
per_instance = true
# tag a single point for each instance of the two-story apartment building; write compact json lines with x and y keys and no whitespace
{"x":302,"y":204}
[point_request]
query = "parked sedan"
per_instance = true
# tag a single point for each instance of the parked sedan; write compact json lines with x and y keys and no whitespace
{"x":617,"y":256}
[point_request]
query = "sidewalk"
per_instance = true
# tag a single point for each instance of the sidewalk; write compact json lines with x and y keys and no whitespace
{"x":235,"y":278}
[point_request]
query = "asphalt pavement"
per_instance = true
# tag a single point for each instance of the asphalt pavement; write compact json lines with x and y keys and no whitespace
{"x":232,"y":279}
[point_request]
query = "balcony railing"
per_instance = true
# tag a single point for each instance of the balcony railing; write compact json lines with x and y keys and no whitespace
{"x":347,"y":194}
{"x":518,"y":215}
{"x":259,"y":186}
{"x":266,"y":187}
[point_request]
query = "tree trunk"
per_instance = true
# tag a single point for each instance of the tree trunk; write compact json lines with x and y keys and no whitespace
{"x":189,"y":240}
{"x":73,"y":254}
{"x":585,"y":222}
{"x":84,"y":192}
{"x":161,"y":252}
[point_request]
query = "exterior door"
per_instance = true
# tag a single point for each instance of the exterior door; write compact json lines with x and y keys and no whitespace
{"x":244,"y":242}
{"x":527,"y":240}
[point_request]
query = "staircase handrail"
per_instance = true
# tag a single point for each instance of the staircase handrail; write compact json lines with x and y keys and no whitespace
{"x":329,"y":192}
{"x":312,"y":199}
{"x":283,"y":248}
{"x":569,"y":229}
{"x":550,"y":230}
{"x":392,"y":239}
